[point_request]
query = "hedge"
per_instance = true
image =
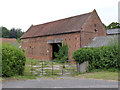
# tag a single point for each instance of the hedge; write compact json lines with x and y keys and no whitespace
{"x":98,"y":57}
{"x":13,"y":60}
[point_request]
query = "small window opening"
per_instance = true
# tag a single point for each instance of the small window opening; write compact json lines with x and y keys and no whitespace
{"x":95,"y":30}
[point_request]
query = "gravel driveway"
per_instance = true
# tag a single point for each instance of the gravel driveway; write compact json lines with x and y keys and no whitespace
{"x":66,"y":82}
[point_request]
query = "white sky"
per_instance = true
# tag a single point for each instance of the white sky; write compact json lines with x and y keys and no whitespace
{"x":23,"y":13}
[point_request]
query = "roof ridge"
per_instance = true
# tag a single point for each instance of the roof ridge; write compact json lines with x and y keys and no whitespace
{"x":94,"y":11}
{"x":69,"y":24}
{"x":86,"y":21}
{"x":62,"y":19}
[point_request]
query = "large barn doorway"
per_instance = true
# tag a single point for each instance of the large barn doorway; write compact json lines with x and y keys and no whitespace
{"x":55,"y":49}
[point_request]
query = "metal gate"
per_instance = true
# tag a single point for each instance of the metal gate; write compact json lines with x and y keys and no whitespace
{"x":66,"y":67}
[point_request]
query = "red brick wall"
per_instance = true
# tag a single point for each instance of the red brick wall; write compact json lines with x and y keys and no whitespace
{"x":92,"y":24}
{"x":43,"y":51}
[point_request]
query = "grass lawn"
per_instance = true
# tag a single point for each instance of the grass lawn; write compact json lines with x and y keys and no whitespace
{"x":30,"y":75}
{"x":105,"y":75}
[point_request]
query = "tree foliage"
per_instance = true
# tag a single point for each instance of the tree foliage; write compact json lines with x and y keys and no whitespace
{"x":13,"y":60}
{"x":12,"y":33}
{"x":105,"y":57}
{"x":112,"y":25}
{"x":5,"y":32}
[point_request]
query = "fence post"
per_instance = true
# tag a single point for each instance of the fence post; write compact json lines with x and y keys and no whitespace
{"x":42,"y":67}
{"x":31,"y":68}
{"x":78,"y":67}
{"x":52,"y":67}
{"x":63,"y":68}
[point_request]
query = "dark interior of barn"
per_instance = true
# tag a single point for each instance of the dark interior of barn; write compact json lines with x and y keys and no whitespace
{"x":55,"y":48}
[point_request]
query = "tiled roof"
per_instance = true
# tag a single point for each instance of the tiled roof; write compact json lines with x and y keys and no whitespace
{"x":113,"y":31}
{"x":71,"y":24}
{"x":102,"y":41}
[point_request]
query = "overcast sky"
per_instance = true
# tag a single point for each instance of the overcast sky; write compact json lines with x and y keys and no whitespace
{"x":23,"y":13}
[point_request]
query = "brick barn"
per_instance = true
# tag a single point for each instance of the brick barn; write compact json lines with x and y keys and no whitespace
{"x":40,"y":41}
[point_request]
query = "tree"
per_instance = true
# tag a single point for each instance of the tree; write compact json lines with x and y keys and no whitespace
{"x":5,"y":32}
{"x":16,"y":33}
{"x":13,"y":33}
{"x":113,"y":25}
{"x":19,"y":33}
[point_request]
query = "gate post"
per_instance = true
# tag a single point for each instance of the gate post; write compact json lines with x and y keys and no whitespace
{"x":31,"y":68}
{"x":52,"y":67}
{"x":42,"y":67}
{"x":78,"y":68}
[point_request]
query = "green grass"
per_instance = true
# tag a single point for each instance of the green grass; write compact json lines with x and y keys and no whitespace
{"x":34,"y":62}
{"x":105,"y":75}
{"x":25,"y":77}
{"x":18,"y":78}
{"x":97,"y":74}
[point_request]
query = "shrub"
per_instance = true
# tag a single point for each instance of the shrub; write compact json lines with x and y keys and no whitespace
{"x":13,"y":61}
{"x":62,"y":54}
{"x":98,"y":57}
{"x":81,"y":55}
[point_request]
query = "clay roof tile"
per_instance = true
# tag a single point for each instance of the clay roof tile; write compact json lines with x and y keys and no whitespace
{"x":70,"y":24}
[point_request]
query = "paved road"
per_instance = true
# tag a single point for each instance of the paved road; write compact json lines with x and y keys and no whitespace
{"x":61,"y":83}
